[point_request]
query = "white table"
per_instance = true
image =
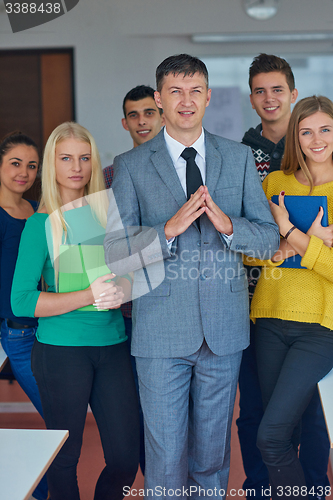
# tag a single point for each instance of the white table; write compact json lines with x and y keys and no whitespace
{"x":325,"y":387}
{"x":25,"y":456}
{"x":3,"y":357}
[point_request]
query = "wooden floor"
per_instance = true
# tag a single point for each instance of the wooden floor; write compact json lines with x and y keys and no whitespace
{"x":91,"y":461}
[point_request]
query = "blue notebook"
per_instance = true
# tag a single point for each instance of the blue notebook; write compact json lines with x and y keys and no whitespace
{"x":302,"y":212}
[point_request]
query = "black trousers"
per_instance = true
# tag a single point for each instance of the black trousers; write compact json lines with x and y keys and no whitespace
{"x":68,"y":379}
{"x":292,"y":357}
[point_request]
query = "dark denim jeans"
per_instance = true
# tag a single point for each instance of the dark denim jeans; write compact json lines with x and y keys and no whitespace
{"x":128,"y":331}
{"x":292,"y":357}
{"x":315,"y":445}
{"x":250,"y":414}
{"x":17,"y":344}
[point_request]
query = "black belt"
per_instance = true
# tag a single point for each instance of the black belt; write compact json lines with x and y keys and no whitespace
{"x":17,"y":326}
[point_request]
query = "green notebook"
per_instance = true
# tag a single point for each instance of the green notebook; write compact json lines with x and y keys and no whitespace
{"x":79,"y":266}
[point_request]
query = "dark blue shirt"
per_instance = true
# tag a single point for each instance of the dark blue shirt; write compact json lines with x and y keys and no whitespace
{"x":10,"y":235}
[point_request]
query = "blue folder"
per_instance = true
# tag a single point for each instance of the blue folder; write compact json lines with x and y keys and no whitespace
{"x":302,"y":212}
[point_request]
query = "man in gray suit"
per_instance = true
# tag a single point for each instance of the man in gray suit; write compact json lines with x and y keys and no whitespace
{"x":199,"y":196}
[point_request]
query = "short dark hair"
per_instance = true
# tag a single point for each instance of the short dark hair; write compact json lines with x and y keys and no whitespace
{"x":177,"y":64}
{"x":264,"y":63}
{"x":14,"y":139}
{"x":139,"y":92}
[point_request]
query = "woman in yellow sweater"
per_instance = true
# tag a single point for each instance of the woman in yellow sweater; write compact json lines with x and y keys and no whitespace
{"x":293,"y":307}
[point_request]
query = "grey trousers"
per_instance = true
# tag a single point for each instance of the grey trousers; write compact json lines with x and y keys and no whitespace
{"x":188,"y":405}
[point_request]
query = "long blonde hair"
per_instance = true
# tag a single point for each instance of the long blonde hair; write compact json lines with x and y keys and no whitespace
{"x":51,"y":201}
{"x":294,"y":157}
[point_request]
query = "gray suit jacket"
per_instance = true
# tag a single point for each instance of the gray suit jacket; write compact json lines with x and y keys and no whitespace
{"x":204,"y":293}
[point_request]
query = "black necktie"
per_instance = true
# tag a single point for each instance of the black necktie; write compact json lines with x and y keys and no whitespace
{"x":193,"y":175}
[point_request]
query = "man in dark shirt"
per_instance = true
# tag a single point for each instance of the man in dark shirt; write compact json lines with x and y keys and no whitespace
{"x":143,"y":120}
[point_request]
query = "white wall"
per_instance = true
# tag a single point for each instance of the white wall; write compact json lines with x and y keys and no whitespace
{"x":119,"y":43}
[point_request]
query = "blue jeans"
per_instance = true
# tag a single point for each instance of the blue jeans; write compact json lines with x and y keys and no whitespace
{"x":17,"y":344}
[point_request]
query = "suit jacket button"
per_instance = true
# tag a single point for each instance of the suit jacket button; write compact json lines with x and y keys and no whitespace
{"x":199,"y":243}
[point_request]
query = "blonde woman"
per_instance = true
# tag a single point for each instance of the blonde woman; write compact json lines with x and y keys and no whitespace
{"x":293,"y":307}
{"x":80,"y":356}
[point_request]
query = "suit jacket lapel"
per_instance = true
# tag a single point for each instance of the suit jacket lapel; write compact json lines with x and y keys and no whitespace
{"x":213,"y":162}
{"x":162,"y":162}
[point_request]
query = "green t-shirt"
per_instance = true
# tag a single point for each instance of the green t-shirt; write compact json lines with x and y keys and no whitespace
{"x":76,"y":328}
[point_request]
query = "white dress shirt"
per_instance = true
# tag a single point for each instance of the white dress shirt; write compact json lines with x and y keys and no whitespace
{"x":175,"y":149}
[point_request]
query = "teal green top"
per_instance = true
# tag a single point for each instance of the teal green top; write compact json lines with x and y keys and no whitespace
{"x":76,"y":328}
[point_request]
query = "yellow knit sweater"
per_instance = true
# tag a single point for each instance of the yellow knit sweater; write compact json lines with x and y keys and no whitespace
{"x":304,"y":295}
